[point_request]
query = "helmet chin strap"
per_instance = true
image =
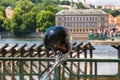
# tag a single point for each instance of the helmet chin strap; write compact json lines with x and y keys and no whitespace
{"x":61,"y":47}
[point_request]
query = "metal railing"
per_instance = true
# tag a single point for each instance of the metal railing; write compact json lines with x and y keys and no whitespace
{"x":58,"y":72}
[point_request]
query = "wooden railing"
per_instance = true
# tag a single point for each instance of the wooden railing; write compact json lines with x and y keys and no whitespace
{"x":12,"y":68}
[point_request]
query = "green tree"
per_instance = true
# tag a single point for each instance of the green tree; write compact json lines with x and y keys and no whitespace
{"x":7,"y":24}
{"x":2,"y":18}
{"x":36,"y":1}
{"x":1,"y":23}
{"x":116,"y":13}
{"x":40,"y":6}
{"x":80,"y":5}
{"x":52,"y":8}
{"x":25,"y":5}
{"x":65,"y":2}
{"x":7,"y":3}
{"x":23,"y":19}
{"x":47,"y":2}
{"x":2,"y":11}
{"x":57,"y":2}
{"x":16,"y":21}
{"x":45,"y":19}
{"x":29,"y":23}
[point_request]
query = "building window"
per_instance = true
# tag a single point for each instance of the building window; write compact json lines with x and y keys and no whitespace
{"x":96,"y":19}
{"x":64,"y":18}
{"x":59,"y":19}
{"x":74,"y":30}
{"x":77,"y":18}
{"x":80,"y":30}
{"x":90,"y":18}
{"x":83,"y":18}
{"x":70,"y":18}
{"x":80,"y":19}
{"x":86,"y":30}
{"x":83,"y":30}
{"x":86,"y":18}
{"x":77,"y":30}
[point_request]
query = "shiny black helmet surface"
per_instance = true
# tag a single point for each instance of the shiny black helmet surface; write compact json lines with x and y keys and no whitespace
{"x":57,"y":38}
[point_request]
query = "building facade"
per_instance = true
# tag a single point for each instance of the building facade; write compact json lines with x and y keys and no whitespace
{"x":111,"y":21}
{"x":81,"y":22}
{"x":118,"y":23}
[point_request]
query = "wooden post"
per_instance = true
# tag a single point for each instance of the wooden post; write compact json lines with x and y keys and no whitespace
{"x":13,"y":51}
{"x":91,"y":56}
{"x":39,"y":50}
{"x":85,"y":64}
{"x":118,"y":49}
{"x":4,"y":51}
{"x":31,"y":62}
{"x":21,"y":63}
{"x":78,"y":65}
{"x":71,"y":67}
{"x":119,"y":62}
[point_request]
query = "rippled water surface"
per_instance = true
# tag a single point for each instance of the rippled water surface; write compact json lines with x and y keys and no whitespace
{"x":101,"y":51}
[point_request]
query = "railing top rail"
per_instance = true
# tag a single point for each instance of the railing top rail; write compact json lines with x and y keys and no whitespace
{"x":51,"y":59}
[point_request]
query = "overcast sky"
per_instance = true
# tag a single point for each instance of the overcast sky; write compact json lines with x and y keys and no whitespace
{"x":101,"y":2}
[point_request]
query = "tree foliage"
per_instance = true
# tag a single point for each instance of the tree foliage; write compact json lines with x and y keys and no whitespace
{"x":7,"y":3}
{"x":7,"y":24}
{"x":31,"y":14}
{"x":65,"y":2}
{"x":80,"y":6}
{"x":25,"y":5}
{"x":2,"y":11}
{"x":1,"y":23}
{"x":45,"y":19}
{"x":113,"y":12}
{"x":23,"y":19}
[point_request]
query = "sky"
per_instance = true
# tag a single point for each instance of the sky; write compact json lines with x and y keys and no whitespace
{"x":102,"y":2}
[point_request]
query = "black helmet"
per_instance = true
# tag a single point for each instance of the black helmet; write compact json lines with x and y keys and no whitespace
{"x":57,"y":38}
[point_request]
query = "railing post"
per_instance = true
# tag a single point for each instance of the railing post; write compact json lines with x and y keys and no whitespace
{"x":39,"y":50}
{"x":118,"y":62}
{"x":21,"y":70}
{"x":71,"y":67}
{"x":91,"y":48}
{"x":57,"y":74}
{"x":13,"y":51}
{"x":78,"y":65}
{"x":95,"y":71}
{"x":3,"y":51}
{"x":21,"y":63}
{"x":31,"y":62}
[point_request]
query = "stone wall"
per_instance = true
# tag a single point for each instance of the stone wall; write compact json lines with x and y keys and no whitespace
{"x":11,"y":35}
{"x":35,"y":35}
{"x":79,"y":35}
{"x":6,"y":35}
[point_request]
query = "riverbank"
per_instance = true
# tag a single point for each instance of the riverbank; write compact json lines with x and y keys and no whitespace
{"x":31,"y":35}
{"x":6,"y":35}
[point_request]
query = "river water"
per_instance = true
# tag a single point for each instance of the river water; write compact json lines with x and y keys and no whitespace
{"x":101,"y":51}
